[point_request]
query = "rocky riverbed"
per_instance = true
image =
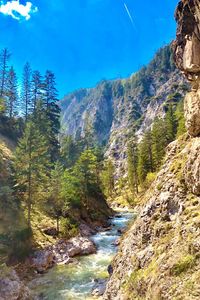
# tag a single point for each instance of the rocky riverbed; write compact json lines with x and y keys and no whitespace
{"x":84,"y":276}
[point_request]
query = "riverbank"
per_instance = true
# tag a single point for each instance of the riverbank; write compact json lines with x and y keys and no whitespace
{"x":86,"y":273}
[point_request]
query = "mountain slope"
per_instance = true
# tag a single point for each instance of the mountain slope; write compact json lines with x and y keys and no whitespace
{"x":159,"y":257}
{"x":116,"y":108}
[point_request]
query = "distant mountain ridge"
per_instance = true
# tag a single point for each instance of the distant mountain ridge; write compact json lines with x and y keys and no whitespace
{"x":117,"y":108}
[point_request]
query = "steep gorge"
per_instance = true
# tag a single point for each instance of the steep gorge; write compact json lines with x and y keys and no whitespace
{"x":117,"y":108}
{"x":159,"y":256}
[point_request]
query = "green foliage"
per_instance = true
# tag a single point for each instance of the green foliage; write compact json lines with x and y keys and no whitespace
{"x":70,"y":151}
{"x":179,"y":113}
{"x":55,"y":204}
{"x":159,"y":141}
{"x":69,"y":227}
{"x":145,"y":161}
{"x":31,"y":166}
{"x":107,"y":178}
{"x":132,"y":154}
{"x":183,"y":265}
{"x":71,"y":189}
{"x":171,"y":124}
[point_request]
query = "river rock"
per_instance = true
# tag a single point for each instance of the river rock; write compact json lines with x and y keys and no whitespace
{"x":43,"y":260}
{"x":99,"y":287}
{"x":121,"y":230}
{"x":86,"y":230}
{"x":12,"y":288}
{"x":117,"y":242}
{"x":80,"y":246}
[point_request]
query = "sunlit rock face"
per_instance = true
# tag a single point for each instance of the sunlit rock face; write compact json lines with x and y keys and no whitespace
{"x":187,"y":58}
{"x":166,"y":232}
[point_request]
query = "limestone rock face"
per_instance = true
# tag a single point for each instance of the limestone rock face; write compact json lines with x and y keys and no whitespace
{"x":192,"y":112}
{"x":161,"y":250}
{"x":192,"y":169}
{"x":187,"y":58}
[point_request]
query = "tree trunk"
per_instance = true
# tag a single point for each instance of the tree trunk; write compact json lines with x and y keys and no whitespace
{"x":57,"y":225}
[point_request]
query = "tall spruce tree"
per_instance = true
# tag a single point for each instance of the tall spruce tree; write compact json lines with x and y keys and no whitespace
{"x":12,"y":93}
{"x":31,"y":167}
{"x":88,"y":132}
{"x":36,"y":88}
{"x":53,"y":112}
{"x":4,"y":59}
{"x":159,"y":141}
{"x":171,"y":124}
{"x":108,"y":179}
{"x":145,"y":161}
{"x":132,"y":162}
{"x":85,"y":171}
{"x":55,"y":200}
{"x":27,"y":106}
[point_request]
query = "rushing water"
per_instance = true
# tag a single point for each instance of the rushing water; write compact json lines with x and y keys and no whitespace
{"x":75,"y":281}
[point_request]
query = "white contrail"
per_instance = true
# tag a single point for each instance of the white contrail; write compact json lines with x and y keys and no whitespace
{"x":129,"y":14}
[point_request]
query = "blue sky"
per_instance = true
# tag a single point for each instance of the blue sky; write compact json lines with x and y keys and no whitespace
{"x":85,"y":41}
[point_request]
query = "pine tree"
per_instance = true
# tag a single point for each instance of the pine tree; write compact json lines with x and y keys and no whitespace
{"x":88,"y":132}
{"x":108,"y":179}
{"x":171,"y":124}
{"x":85,"y":171}
{"x":180,"y":119}
{"x":145,"y":161}
{"x":70,"y":151}
{"x":27,"y":106}
{"x":53,"y":112}
{"x":132,"y":160}
{"x":4,"y":58}
{"x":159,"y":141}
{"x":55,"y":201}
{"x":31,"y":166}
{"x":36,"y":88}
{"x":12,"y":93}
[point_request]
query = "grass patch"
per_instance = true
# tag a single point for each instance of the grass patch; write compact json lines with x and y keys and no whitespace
{"x":183,"y":265}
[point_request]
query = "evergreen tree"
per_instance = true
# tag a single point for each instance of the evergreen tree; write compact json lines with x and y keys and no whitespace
{"x":132,"y":160}
{"x":31,"y":166}
{"x":36,"y":88}
{"x":27,"y":106}
{"x":55,"y":203}
{"x":70,"y":151}
{"x":85,"y":171}
{"x":108,"y":179}
{"x":53,"y":112}
{"x":12,"y":93}
{"x":159,"y":141}
{"x":171,"y":124}
{"x":4,"y":58}
{"x":88,"y":132}
{"x":145,"y":161}
{"x":180,"y":119}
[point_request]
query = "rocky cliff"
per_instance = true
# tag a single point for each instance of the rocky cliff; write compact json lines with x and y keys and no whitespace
{"x":159,"y":257}
{"x":116,"y":108}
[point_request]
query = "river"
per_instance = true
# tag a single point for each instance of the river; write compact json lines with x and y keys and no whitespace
{"x":75,"y":281}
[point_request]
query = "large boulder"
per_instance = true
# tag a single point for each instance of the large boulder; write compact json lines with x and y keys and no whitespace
{"x":80,"y":246}
{"x":99,"y":287}
{"x":43,"y":260}
{"x":11,"y":287}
